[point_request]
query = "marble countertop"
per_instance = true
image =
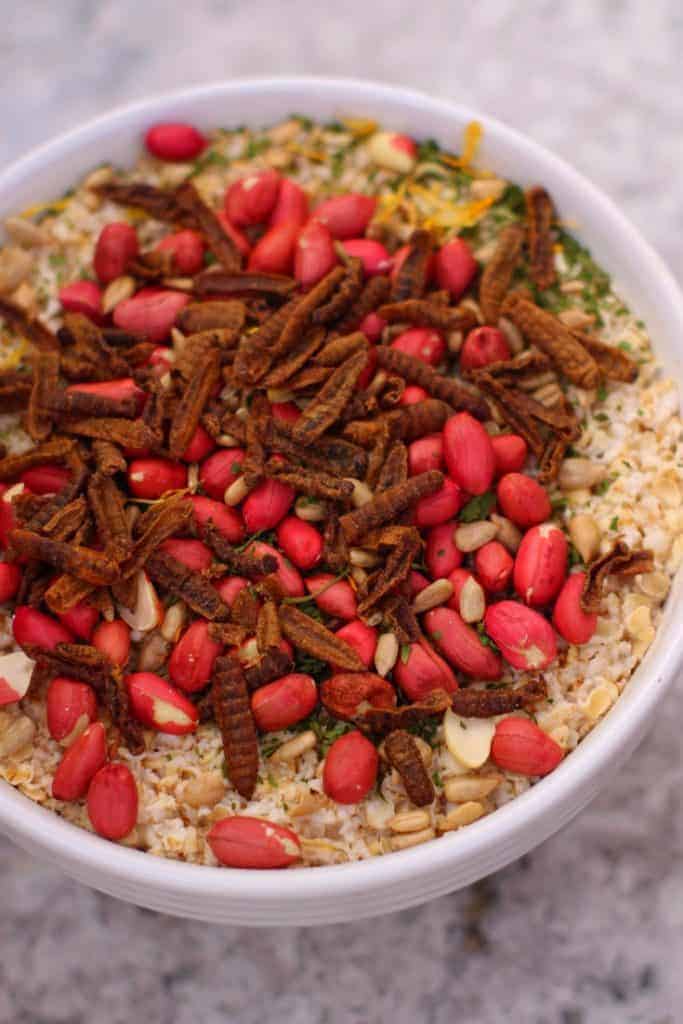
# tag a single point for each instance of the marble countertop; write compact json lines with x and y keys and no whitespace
{"x":588,"y":929}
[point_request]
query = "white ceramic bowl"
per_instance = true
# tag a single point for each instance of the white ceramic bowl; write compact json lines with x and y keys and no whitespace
{"x":351,"y":891}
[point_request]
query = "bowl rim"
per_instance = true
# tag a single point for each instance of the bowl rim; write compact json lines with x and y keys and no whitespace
{"x":41,"y":830}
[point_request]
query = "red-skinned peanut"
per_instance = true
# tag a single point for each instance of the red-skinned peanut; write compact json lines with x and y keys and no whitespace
{"x":187,"y":248}
{"x":230,"y":586}
{"x":419,"y":670}
{"x":192,"y":553}
{"x":541,"y":564}
{"x":81,"y":760}
{"x":113,"y":640}
{"x":267,"y":504}
{"x":286,"y":412}
{"x":368,"y":371}
{"x":482,"y":346}
{"x":81,"y":619}
{"x":116,"y":246}
{"x":458,"y":578}
{"x":123,"y":387}
{"x":417,"y":582}
{"x":423,"y":343}
{"x":519,"y":746}
{"x":174,"y":140}
{"x":201,"y":444}
{"x":113,"y":801}
{"x":283,"y":703}
{"x":493,"y":566}
{"x":10,"y":580}
{"x":393,"y":150}
{"x":227,"y":520}
{"x":362,"y":638}
{"x":374,"y":256}
{"x":274,"y":251}
{"x":424,"y":454}
{"x":288,"y":576}
{"x":468,"y":453}
{"x":234,"y":233}
{"x":510,"y":451}
{"x":336,"y":599}
{"x":570,"y":620}
{"x":192,"y":658}
{"x":461,"y":644}
{"x":455,"y":267}
{"x":67,"y":702}
{"x":347,"y":215}
{"x":413,"y":394}
{"x":350,"y":768}
{"x":34,"y":628}
{"x":47,"y":479}
{"x":523,"y":500}
{"x":245,"y":842}
{"x":300,"y":542}
{"x":291,"y":204}
{"x":82,"y":297}
{"x":150,"y":315}
{"x":159,"y":706}
{"x":372,"y":326}
{"x":442,"y":555}
{"x":16,"y":672}
{"x":315,"y":255}
{"x":220,"y":470}
{"x":525,"y":639}
{"x":444,"y":504}
{"x":251,"y":200}
{"x":150,"y":478}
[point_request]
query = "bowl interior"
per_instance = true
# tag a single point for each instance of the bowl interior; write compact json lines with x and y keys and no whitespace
{"x":351,"y":891}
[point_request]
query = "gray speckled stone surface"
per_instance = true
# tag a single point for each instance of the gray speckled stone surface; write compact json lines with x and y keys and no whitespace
{"x":589,"y":928}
